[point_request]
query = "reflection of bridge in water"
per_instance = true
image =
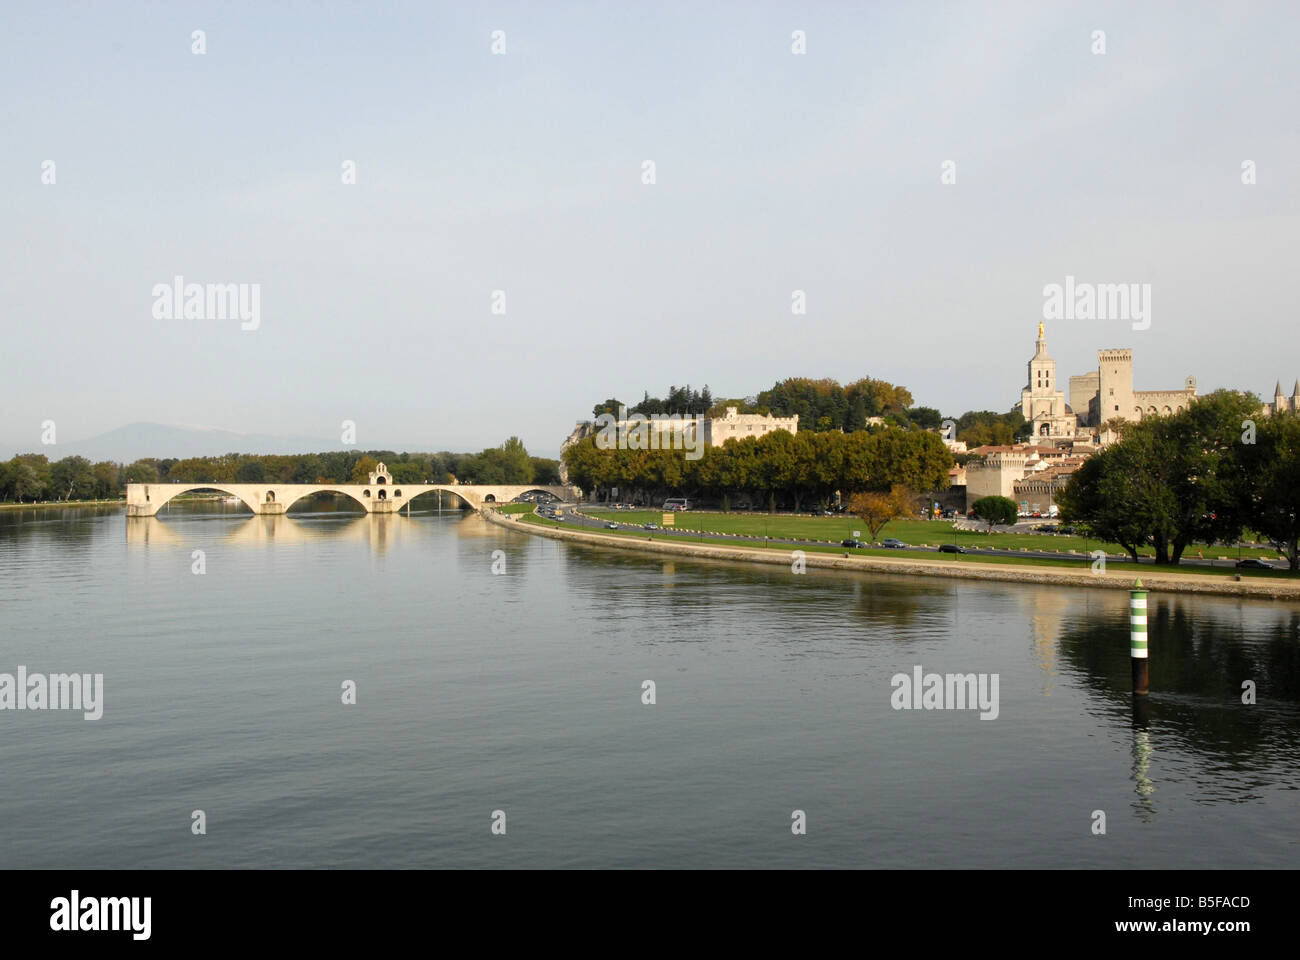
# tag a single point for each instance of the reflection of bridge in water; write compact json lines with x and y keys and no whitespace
{"x":380,"y":495}
{"x":242,"y":530}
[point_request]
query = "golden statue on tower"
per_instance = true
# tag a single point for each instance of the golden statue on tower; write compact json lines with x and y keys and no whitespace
{"x":1040,"y":329}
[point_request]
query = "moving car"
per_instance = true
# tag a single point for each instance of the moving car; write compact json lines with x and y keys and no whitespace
{"x":852,"y":543}
{"x":1254,"y":563}
{"x":651,"y":526}
{"x":951,"y":548}
{"x":892,"y":544}
{"x":611,"y":525}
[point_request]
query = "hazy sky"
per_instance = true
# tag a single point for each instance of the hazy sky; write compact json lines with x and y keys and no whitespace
{"x":523,"y":172}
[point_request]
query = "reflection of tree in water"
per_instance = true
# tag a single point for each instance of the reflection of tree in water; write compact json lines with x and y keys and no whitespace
{"x":58,"y":525}
{"x":817,"y":599}
{"x":897,"y":604}
{"x":1199,"y":659}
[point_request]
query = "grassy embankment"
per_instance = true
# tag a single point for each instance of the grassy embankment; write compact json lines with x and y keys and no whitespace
{"x":914,"y":532}
{"x":835,"y":527}
{"x":516,"y":507}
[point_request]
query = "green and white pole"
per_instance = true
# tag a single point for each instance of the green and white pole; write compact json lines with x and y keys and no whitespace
{"x":1137,"y":648}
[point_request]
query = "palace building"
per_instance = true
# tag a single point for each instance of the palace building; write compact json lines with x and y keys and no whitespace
{"x":1281,"y":403}
{"x":1095,"y":397}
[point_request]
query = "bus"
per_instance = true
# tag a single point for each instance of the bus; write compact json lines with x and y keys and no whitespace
{"x":677,"y":503}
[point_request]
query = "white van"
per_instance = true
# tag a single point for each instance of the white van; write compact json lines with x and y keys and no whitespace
{"x":677,"y":503}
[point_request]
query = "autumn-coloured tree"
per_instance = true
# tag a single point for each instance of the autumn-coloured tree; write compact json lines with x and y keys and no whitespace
{"x":876,"y":509}
{"x":363,"y":468}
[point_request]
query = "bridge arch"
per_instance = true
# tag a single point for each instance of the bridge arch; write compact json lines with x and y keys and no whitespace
{"x":465,"y":500}
{"x":549,"y":493}
{"x":326,"y":489}
{"x":162,"y":494}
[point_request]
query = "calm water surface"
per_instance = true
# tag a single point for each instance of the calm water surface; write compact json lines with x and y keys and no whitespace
{"x":521,"y":692}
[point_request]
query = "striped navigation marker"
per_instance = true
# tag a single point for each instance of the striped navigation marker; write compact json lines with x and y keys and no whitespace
{"x":1137,"y":648}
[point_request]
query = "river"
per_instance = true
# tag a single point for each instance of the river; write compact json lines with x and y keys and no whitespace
{"x":515,"y":696}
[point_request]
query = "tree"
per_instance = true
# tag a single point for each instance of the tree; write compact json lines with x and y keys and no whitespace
{"x":71,"y":475}
{"x":545,"y":472}
{"x":517,"y":465}
{"x":876,"y":509}
{"x":408,"y":471}
{"x":916,"y":460}
{"x":1169,"y":482}
{"x":142,"y":471}
{"x":251,"y":471}
{"x":995,"y":510}
{"x":24,"y":482}
{"x":977,"y":428}
{"x":927,"y":418}
{"x":362,"y":469}
{"x":1268,"y":484}
{"x":108,"y":479}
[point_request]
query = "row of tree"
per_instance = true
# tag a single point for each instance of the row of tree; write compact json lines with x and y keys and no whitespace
{"x":681,"y":400}
{"x":825,"y":404}
{"x":1203,"y":475}
{"x":803,"y":469}
{"x":32,"y":476}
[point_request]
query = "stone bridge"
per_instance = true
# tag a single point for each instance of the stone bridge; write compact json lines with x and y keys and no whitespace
{"x":380,"y":495}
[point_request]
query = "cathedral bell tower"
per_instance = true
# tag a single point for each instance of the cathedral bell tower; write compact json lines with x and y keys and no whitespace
{"x":1041,"y":402}
{"x":1042,"y":368}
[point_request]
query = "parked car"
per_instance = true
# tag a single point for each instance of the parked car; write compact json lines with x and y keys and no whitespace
{"x":892,"y":544}
{"x":951,"y":548}
{"x":1254,"y":563}
{"x":651,"y":526}
{"x":852,"y":543}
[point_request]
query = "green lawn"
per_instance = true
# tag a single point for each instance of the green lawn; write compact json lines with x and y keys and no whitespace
{"x":516,"y":507}
{"x":914,"y":532}
{"x":1078,"y":563}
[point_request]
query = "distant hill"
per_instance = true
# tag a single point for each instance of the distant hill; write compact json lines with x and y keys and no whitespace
{"x":137,"y":440}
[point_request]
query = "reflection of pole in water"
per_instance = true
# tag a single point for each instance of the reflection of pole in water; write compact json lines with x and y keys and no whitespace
{"x":1143,"y":785}
{"x":1141,"y":712}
